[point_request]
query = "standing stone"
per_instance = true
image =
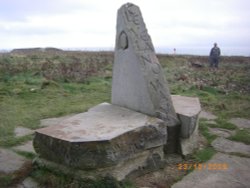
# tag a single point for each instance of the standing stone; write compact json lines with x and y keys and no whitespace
{"x":138,"y":79}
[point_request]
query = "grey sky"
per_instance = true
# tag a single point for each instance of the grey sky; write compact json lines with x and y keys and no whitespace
{"x":181,"y":24}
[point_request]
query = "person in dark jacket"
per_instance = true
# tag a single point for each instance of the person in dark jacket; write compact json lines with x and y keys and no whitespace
{"x":214,"y":56}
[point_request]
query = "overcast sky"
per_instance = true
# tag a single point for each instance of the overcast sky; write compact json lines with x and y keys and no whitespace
{"x":181,"y":24}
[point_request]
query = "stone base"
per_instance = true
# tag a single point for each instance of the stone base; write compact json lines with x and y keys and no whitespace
{"x":188,"y":110}
{"x":141,"y":163}
{"x":107,"y":139}
{"x":189,"y":145}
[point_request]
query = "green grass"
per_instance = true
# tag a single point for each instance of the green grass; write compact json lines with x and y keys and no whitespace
{"x":222,"y":123}
{"x":38,"y":86}
{"x":26,"y":154}
{"x":24,"y":104}
{"x":203,"y":128}
{"x":241,"y":136}
{"x":5,"y":180}
{"x":224,"y":92}
{"x":204,"y":154}
{"x":11,"y":140}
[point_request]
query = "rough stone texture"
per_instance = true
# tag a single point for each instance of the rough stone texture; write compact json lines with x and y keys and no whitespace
{"x":173,"y":159}
{"x":22,"y":131}
{"x":237,"y":174}
{"x":187,"y":109}
{"x":207,"y":115}
{"x":10,"y":162}
{"x":221,"y":132}
{"x":240,"y":122}
{"x":228,"y":146}
{"x":138,"y":80}
{"x":189,"y":145}
{"x":27,"y":147}
{"x":104,"y":136}
{"x":150,"y":159}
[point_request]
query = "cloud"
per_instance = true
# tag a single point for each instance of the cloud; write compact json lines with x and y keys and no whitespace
{"x":91,"y":23}
{"x":13,"y":10}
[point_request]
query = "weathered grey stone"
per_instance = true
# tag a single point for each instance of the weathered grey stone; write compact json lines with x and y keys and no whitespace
{"x":10,"y":162}
{"x":236,"y":175}
{"x":207,"y":115}
{"x":27,"y":147}
{"x":228,"y":146}
{"x":189,"y":145}
{"x":173,"y":159}
{"x":221,"y":132}
{"x":139,"y":161}
{"x":188,"y":109}
{"x":241,"y":122}
{"x":22,"y":131}
{"x":138,"y":80}
{"x":104,"y":136}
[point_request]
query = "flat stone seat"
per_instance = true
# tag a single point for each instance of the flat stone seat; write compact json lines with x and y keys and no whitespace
{"x":102,"y":137}
{"x":188,"y":106}
{"x":101,"y":123}
{"x":187,"y":109}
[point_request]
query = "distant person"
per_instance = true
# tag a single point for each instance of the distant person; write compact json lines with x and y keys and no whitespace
{"x":214,"y":56}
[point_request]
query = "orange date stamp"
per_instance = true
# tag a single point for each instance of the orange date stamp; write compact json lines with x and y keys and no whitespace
{"x":201,"y":166}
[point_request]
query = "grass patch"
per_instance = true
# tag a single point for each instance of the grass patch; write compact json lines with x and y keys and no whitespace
{"x":26,"y":154}
{"x":23,"y":106}
{"x":204,"y":154}
{"x":221,"y":123}
{"x":70,"y":87}
{"x":5,"y":180}
{"x":11,"y":141}
{"x":203,"y":127}
{"x":241,"y":136}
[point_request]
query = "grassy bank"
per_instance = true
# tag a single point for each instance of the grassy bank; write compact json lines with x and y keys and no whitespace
{"x":41,"y":85}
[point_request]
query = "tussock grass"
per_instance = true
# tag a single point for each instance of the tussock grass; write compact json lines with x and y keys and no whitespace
{"x":203,"y":128}
{"x":10,"y":141}
{"x":241,"y":136}
{"x":204,"y":154}
{"x":25,"y":103}
{"x":222,"y":123}
{"x":26,"y":154}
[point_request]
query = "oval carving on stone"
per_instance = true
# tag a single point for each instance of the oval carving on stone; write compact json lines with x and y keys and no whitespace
{"x":123,"y":41}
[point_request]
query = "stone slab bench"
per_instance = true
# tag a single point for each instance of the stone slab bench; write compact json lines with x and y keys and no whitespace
{"x":107,"y":138}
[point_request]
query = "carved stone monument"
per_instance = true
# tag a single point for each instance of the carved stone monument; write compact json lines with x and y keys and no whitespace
{"x":129,"y":135}
{"x":138,"y":80}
